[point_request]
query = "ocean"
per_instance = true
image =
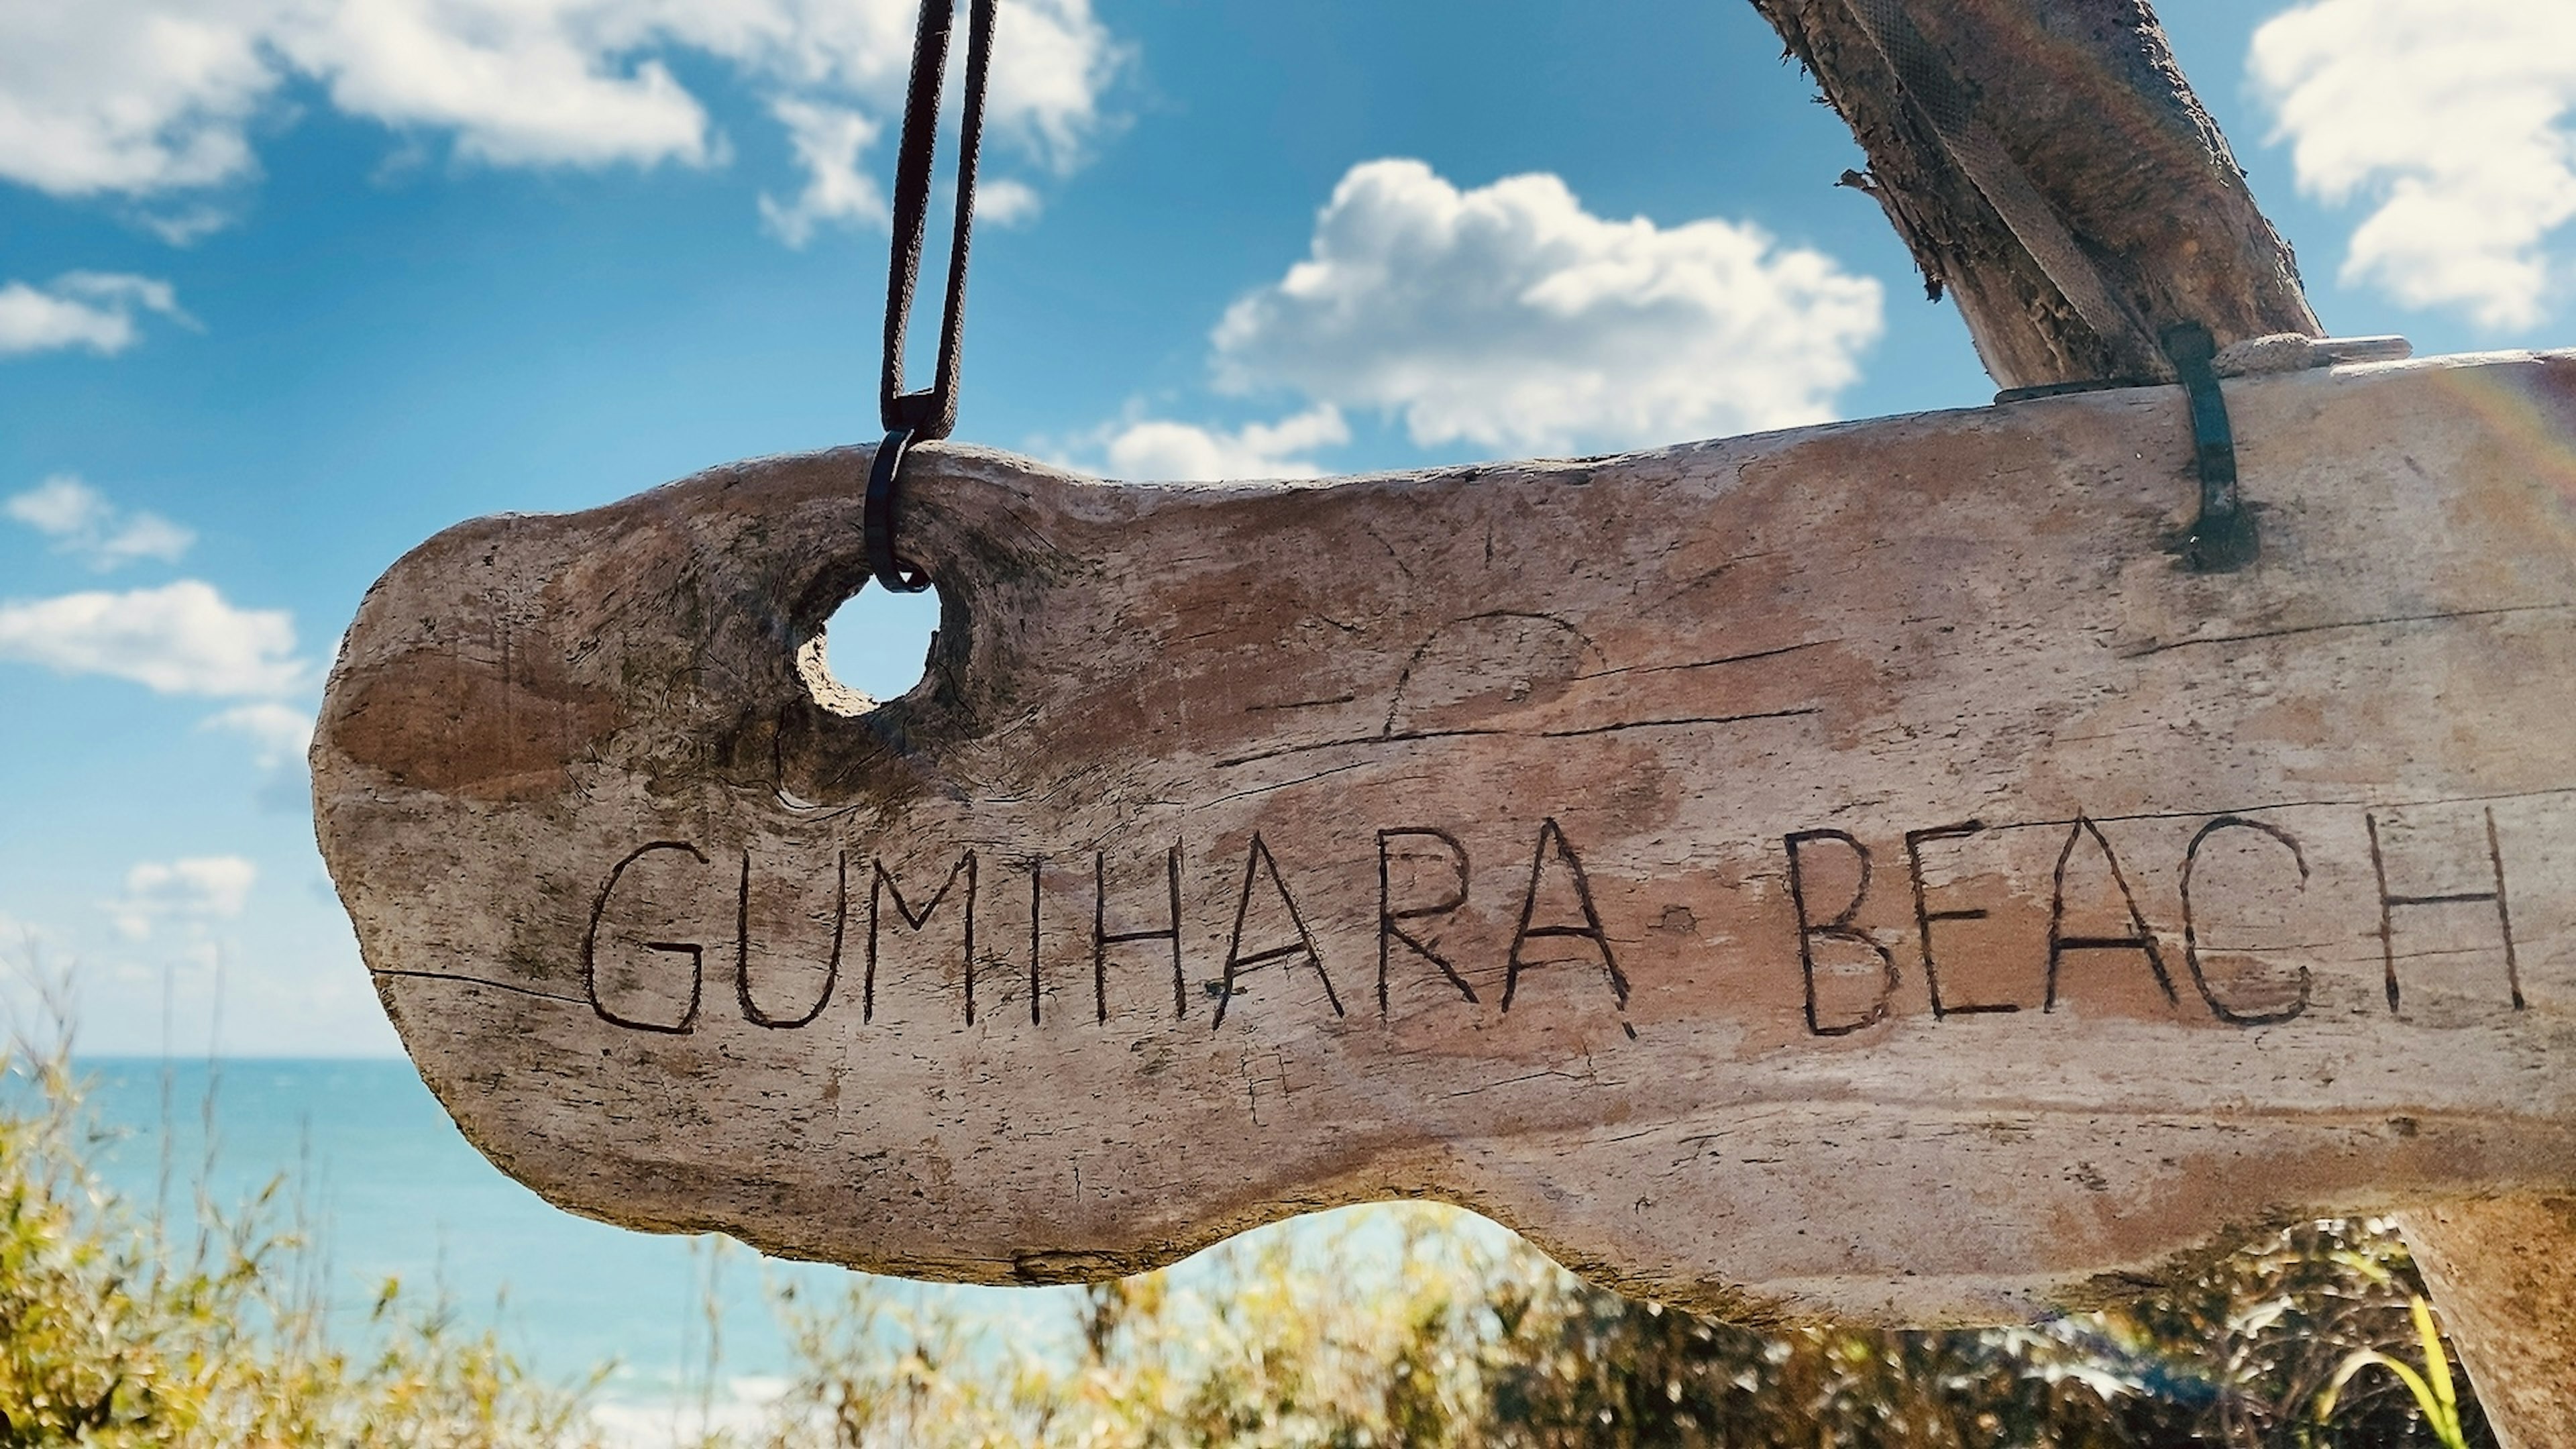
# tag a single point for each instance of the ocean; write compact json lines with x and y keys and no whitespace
{"x":392,"y":1190}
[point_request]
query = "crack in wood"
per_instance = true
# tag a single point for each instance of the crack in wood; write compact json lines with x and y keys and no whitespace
{"x":2440,"y":617}
{"x":486,"y":981}
{"x":1708,"y":663}
{"x":1344,"y":698}
{"x":1417,"y":736}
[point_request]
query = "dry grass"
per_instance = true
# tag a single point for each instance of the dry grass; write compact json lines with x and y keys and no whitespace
{"x":1392,"y":1326}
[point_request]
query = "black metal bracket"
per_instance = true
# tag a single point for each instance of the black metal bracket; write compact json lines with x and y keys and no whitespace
{"x":877,"y":520}
{"x":2223,"y":538}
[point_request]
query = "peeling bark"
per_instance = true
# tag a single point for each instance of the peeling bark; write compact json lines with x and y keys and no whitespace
{"x":2086,"y":106}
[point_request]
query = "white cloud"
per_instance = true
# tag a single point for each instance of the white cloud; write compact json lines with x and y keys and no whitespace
{"x":61,"y":507}
{"x":2451,"y":119}
{"x":1006,"y":202}
{"x":548,"y":83}
{"x":279,"y":734}
{"x":1511,"y":318}
{"x":143,"y":97}
{"x":1051,"y":62}
{"x":185,"y":226}
{"x":81,"y":309}
{"x":129,"y":96}
{"x":181,"y":638}
{"x":197,"y":889}
{"x":82,"y":523}
{"x":827,"y":141}
{"x":1155,"y":450}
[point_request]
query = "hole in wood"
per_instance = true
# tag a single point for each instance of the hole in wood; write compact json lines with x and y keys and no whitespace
{"x":874,"y":647}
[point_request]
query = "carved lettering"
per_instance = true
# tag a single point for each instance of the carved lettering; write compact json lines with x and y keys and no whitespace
{"x":1257,"y":861}
{"x":1390,"y":920}
{"x":2389,"y":905}
{"x":2140,"y":938}
{"x":2191,"y":924}
{"x":1102,"y":938}
{"x":1037,"y":870}
{"x":1839,"y":928}
{"x":655,"y":918}
{"x":695,"y":951}
{"x":1550,"y":835}
{"x":884,"y":885}
{"x":1925,"y":916}
{"x":751,"y":1009}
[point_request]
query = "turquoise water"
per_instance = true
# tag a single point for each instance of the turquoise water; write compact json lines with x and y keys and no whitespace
{"x":395,"y":1191}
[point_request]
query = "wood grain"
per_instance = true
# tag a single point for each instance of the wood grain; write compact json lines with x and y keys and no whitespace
{"x":2506,"y":1288}
{"x":1844,"y":871}
{"x":2087,"y":125}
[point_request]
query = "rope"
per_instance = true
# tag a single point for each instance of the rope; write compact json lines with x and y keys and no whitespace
{"x":930,"y":414}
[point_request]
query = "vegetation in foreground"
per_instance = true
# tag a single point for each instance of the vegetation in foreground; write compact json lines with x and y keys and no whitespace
{"x":113,"y":1332}
{"x":1395,"y":1328}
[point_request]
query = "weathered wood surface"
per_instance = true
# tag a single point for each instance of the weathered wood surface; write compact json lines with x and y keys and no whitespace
{"x":1849,"y":870}
{"x":2049,"y":166}
{"x":2505,"y":1283}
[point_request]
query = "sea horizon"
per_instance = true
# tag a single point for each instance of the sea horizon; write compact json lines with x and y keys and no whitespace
{"x":377,"y":1183}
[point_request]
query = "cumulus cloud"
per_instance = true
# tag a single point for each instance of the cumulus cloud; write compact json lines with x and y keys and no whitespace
{"x":1509,"y":317}
{"x":95,"y":310}
{"x":827,"y":141}
{"x":1005,"y":202}
{"x":1154,"y":450}
{"x":279,"y":734}
{"x":185,"y":226}
{"x":145,"y":97}
{"x":518,"y":84}
{"x":82,"y":523}
{"x":181,"y":638}
{"x":130,"y":96}
{"x":197,"y":889}
{"x":2451,"y":120}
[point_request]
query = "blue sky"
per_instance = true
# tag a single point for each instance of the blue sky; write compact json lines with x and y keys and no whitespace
{"x":287,"y":285}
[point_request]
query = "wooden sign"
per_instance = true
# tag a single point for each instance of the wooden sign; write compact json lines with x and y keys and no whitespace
{"x":1849,"y":870}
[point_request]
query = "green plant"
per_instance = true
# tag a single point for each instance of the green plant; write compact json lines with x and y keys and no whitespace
{"x":114,"y":1334}
{"x":2435,"y":1395}
{"x":1418,"y":1325}
{"x":1398,"y":1324}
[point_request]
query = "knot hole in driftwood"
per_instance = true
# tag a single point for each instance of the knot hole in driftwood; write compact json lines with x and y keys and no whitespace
{"x":858,"y":645}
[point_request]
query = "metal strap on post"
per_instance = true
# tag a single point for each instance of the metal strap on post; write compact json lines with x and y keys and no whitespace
{"x":2223,"y":538}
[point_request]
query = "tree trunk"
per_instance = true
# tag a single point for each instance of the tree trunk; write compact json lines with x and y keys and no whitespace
{"x":2050,"y":169}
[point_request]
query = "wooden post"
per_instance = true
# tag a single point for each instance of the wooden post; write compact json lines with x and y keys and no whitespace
{"x":2030,"y":151}
{"x":2037,"y":151}
{"x":2503,"y":1271}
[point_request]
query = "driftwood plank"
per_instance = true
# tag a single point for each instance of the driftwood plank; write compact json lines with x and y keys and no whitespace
{"x":1850,"y":870}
